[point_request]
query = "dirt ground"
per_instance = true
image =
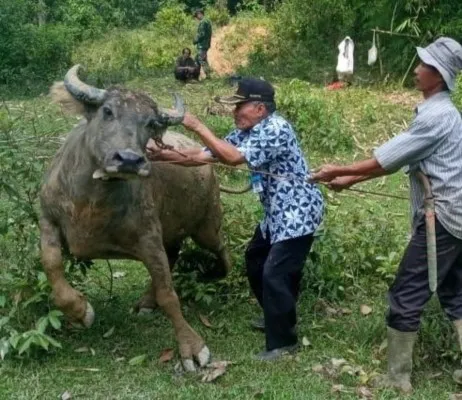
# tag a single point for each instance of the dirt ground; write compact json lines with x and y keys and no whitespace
{"x":404,"y":98}
{"x":220,"y":61}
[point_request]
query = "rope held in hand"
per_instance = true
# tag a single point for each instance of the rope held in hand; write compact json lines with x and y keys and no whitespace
{"x":164,"y":146}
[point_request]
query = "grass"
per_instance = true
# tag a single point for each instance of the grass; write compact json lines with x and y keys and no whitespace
{"x":104,"y":373}
{"x":105,"y":376}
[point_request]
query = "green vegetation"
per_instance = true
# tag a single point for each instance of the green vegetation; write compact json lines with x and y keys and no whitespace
{"x":123,"y":54}
{"x":38,"y":36}
{"x":354,"y":257}
{"x":41,"y":38}
{"x":306,"y":34}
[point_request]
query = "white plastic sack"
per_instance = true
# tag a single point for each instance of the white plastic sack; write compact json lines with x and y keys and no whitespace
{"x":345,"y":62}
{"x":372,"y":53}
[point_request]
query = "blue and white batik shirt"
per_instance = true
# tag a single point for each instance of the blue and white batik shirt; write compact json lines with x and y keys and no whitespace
{"x":293,"y":207}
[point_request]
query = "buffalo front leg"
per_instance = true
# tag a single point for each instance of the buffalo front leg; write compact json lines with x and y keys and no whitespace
{"x":192,"y":347}
{"x":147,"y":303}
{"x":70,"y":301}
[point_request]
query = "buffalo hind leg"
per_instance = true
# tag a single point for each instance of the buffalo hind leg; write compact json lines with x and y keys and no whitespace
{"x":70,"y":301}
{"x":147,"y":303}
{"x":191,"y":345}
{"x":209,"y":236}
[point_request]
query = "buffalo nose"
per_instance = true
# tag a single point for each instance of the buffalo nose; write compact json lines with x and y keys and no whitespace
{"x":128,"y":157}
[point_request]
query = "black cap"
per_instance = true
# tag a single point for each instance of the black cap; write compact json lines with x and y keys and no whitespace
{"x":250,"y":89}
{"x":198,"y":11}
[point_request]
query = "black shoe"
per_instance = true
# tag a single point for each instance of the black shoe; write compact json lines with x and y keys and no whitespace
{"x":275,"y":354}
{"x":258,"y":323}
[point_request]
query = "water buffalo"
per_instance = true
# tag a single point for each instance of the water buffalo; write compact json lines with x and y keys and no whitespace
{"x":102,"y":199}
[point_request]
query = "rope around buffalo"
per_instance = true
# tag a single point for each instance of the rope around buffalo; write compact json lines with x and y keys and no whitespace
{"x":164,"y":146}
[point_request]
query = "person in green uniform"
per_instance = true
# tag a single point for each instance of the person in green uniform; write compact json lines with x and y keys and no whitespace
{"x":203,"y":40}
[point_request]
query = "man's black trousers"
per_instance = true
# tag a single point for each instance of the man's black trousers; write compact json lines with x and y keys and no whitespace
{"x":274,"y":272}
{"x":410,"y":291}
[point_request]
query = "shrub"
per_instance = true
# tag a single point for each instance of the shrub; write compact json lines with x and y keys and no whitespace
{"x":49,"y":51}
{"x":356,"y":242}
{"x":31,"y":52}
{"x":304,"y":38}
{"x":23,"y":285}
{"x":173,"y":20}
{"x":306,"y":34}
{"x":122,"y":54}
{"x":26,"y":142}
{"x":37,"y":51}
{"x":219,"y":16}
{"x":319,"y":124}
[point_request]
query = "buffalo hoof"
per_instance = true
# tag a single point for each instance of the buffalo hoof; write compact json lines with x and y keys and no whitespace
{"x":146,"y":305}
{"x":89,"y":317}
{"x":202,"y":359}
{"x":87,"y":320}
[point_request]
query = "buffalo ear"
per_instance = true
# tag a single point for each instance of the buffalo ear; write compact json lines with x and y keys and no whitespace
{"x":69,"y":104}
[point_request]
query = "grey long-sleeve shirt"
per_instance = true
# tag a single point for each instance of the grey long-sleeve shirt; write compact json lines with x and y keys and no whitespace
{"x":433,"y":144}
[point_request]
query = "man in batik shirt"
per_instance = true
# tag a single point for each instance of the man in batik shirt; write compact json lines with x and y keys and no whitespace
{"x":293,"y":208}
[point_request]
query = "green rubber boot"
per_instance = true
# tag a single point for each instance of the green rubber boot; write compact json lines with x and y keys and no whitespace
{"x":400,"y":347}
{"x":457,"y":374}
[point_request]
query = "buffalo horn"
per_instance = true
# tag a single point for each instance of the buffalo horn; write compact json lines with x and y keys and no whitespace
{"x":175,"y":116}
{"x":80,"y":90}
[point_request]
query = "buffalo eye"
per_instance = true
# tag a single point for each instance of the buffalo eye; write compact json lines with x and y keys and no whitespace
{"x":107,"y":112}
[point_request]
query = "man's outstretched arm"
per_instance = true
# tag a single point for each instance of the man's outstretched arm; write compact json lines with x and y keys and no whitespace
{"x":362,"y":170}
{"x":186,"y":157}
{"x":221,"y":149}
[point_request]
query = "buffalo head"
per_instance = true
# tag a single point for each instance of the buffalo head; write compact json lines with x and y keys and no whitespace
{"x":119,"y":124}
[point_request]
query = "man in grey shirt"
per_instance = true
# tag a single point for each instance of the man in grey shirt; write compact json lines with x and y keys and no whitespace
{"x":432,"y":145}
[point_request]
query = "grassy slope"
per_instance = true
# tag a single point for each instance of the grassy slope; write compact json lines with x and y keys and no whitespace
{"x":353,"y":337}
